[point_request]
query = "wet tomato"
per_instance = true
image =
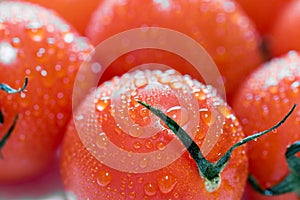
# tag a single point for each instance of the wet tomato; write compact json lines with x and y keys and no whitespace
{"x":114,"y":148}
{"x":36,"y":43}
{"x":264,"y":97}
{"x":219,"y":26}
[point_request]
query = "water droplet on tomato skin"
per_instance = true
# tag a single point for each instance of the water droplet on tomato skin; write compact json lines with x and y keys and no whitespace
{"x":104,"y":178}
{"x":132,"y":195}
{"x":101,"y":141}
{"x":35,"y":31}
{"x":143,"y":163}
{"x":166,"y":184}
{"x":102,"y":103}
{"x":8,"y":53}
{"x":137,"y":145}
{"x":150,"y":189}
{"x":131,"y":185}
{"x":161,"y":145}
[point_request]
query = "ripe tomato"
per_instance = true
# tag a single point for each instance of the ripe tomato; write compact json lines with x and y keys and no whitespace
{"x":36,"y":43}
{"x":76,"y":12}
{"x":113,"y":118}
{"x":285,"y":34}
{"x":264,"y":97}
{"x":218,"y":25}
{"x":263,"y":13}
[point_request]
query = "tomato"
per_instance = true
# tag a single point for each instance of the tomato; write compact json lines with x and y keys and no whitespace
{"x":284,"y":35}
{"x":76,"y":12}
{"x":112,"y":117}
{"x":36,"y":43}
{"x":263,"y":98}
{"x":219,"y":26}
{"x":263,"y":13}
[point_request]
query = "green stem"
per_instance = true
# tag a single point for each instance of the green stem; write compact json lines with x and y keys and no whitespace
{"x":290,"y":183}
{"x":11,"y":90}
{"x":7,"y":135}
{"x":208,"y":170}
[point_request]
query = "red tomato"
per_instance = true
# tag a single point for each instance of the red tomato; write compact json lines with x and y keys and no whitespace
{"x":36,"y":43}
{"x":76,"y":12}
{"x":113,"y":116}
{"x":219,"y":25}
{"x":263,"y":13}
{"x":263,"y":99}
{"x":285,"y":34}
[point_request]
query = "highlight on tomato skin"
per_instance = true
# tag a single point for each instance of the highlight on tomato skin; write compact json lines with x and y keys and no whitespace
{"x":36,"y":43}
{"x":219,"y":26}
{"x":75,"y":12}
{"x":266,"y":94}
{"x":98,"y":126}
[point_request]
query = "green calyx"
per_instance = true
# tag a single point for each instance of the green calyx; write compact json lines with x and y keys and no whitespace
{"x":9,"y":90}
{"x":207,"y":170}
{"x":291,"y":183}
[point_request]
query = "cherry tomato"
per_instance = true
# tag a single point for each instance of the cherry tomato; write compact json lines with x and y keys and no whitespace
{"x":36,"y":43}
{"x":75,"y":12}
{"x":112,"y":117}
{"x":263,"y":99}
{"x":263,"y":13}
{"x":219,"y":25}
{"x":284,"y":35}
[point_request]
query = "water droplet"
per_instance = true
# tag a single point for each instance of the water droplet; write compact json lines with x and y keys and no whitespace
{"x":104,"y":178}
{"x":200,"y":95}
{"x":8,"y":53}
{"x":16,"y":42}
{"x":35,"y":31}
{"x":200,"y":134}
{"x":136,"y":131}
{"x":206,"y":116}
{"x":132,"y":195}
{"x":175,"y":84}
{"x":161,"y":145}
{"x":102,"y":103}
{"x":149,"y":189}
{"x":274,"y":131}
{"x":143,"y":163}
{"x":164,"y":79}
{"x":101,"y":141}
{"x":96,"y":67}
{"x":130,"y":185}
{"x":149,"y":144}
{"x":178,"y":114}
{"x":295,"y":86}
{"x":224,"y":110}
{"x":68,"y":37}
{"x":137,"y":145}
{"x":166,"y":184}
{"x":140,"y":82}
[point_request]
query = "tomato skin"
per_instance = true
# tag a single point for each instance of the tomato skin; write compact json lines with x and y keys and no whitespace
{"x":219,"y":26}
{"x":256,"y":10}
{"x":263,"y":99}
{"x":75,"y":12}
{"x":36,"y":43}
{"x":87,"y":177}
{"x":284,"y":36}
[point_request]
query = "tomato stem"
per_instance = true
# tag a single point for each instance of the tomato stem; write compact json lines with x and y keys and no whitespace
{"x":209,"y":171}
{"x":291,"y":183}
{"x":11,"y":90}
{"x":7,"y":135}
